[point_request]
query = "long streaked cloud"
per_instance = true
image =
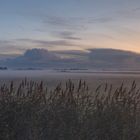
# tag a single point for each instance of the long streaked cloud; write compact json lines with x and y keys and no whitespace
{"x":129,"y":14}
{"x":12,"y":47}
{"x":22,"y":44}
{"x":100,"y":20}
{"x":47,"y":43}
{"x":68,"y":35}
{"x":74,"y":23}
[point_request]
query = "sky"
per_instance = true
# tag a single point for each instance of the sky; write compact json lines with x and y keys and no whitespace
{"x":59,"y":25}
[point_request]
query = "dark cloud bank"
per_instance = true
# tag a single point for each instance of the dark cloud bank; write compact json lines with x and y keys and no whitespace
{"x":97,"y":59}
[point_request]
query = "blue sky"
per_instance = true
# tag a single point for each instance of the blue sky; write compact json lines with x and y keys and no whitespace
{"x":69,"y":25}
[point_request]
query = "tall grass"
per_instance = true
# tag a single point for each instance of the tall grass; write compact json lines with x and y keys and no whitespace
{"x":32,"y":112}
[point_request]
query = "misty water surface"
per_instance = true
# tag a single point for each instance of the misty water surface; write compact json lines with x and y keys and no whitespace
{"x":52,"y":77}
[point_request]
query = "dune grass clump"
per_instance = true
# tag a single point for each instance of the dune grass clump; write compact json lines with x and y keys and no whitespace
{"x":32,"y":112}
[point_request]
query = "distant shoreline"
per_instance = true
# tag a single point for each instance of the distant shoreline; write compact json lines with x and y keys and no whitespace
{"x":84,"y":71}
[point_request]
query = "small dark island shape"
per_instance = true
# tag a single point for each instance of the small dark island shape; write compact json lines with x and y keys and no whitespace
{"x":3,"y":68}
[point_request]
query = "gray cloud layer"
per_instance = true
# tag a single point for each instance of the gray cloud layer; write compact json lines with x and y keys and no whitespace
{"x":98,"y":59}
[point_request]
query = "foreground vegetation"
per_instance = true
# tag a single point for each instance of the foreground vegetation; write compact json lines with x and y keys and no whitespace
{"x":32,"y":112}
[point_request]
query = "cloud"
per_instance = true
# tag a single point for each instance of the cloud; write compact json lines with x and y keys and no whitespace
{"x":100,"y":20}
{"x":114,"y":59}
{"x":39,"y":54}
{"x":11,"y":46}
{"x":7,"y":56}
{"x":126,"y":32}
{"x":44,"y":43}
{"x":77,"y":54}
{"x":136,"y":9}
{"x":103,"y":59}
{"x":73,"y":23}
{"x":129,"y":13}
{"x":5,"y":42}
{"x":41,"y":58}
{"x":68,"y":35}
{"x":66,"y":41}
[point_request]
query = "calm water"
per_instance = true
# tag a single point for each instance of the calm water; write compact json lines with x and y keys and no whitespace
{"x":52,"y":77}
